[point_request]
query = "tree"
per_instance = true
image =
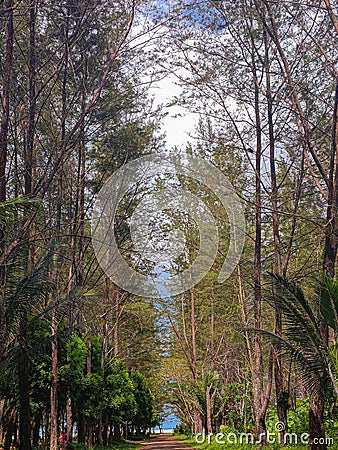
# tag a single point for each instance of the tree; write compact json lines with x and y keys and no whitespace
{"x":303,"y":340}
{"x":270,"y":101}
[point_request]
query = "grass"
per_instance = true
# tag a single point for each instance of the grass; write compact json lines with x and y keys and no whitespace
{"x":124,"y":445}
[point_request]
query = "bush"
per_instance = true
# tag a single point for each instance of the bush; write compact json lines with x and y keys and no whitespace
{"x":76,"y":446}
{"x":298,"y":419}
{"x":182,"y":429}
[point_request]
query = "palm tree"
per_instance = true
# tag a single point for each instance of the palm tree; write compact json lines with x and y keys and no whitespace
{"x":303,"y":341}
{"x":21,"y":294}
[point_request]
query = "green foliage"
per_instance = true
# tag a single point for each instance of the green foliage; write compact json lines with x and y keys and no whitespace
{"x":72,"y":158}
{"x":12,"y":208}
{"x":298,"y":418}
{"x":23,"y":296}
{"x":144,"y":414}
{"x":119,"y":402}
{"x":328,"y":304}
{"x":124,"y":445}
{"x":302,"y":338}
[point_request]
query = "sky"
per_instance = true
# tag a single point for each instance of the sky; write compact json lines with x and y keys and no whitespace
{"x":178,"y":122}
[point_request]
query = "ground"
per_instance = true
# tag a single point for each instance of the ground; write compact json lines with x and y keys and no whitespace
{"x":161,"y":441}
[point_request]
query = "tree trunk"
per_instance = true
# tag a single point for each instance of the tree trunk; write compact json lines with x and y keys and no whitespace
{"x":69,"y":418}
{"x":117,"y":432}
{"x":282,"y":394}
{"x":89,"y":437}
{"x":105,"y":433}
{"x":208,"y":410}
{"x":24,"y":381}
{"x":54,"y":331}
{"x":316,"y":421}
{"x":242,"y":301}
{"x":197,"y":416}
{"x":193,"y":335}
{"x":330,"y":251}
{"x":116,"y":325}
{"x":104,"y":349}
{"x":212,"y":330}
{"x":2,"y":406}
{"x":36,"y":429}
{"x":81,"y":427}
{"x":89,"y":356}
{"x":81,"y":418}
{"x":54,"y":387}
{"x":198,"y":425}
{"x":258,"y":404}
{"x":15,"y":433}
{"x":10,"y":430}
{"x":5,"y":97}
{"x":317,"y":402}
{"x":24,"y":394}
{"x":32,"y":102}
{"x":100,"y":431}
{"x":5,"y":102}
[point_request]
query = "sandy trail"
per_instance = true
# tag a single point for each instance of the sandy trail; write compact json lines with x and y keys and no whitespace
{"x":163,"y":442}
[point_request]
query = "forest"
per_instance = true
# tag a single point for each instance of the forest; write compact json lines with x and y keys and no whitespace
{"x":141,"y":281}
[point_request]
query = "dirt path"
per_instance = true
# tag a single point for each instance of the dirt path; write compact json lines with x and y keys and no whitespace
{"x":161,"y":441}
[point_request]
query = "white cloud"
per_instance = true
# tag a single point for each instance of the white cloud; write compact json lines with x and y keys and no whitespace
{"x":178,"y":122}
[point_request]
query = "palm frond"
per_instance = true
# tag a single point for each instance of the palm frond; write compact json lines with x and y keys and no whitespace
{"x":333,"y":366}
{"x":28,"y":292}
{"x":300,"y":325}
{"x":10,"y":208}
{"x":301,"y":338}
{"x":328,"y":298}
{"x":314,"y":371}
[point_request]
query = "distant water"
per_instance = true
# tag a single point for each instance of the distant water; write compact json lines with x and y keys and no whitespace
{"x":164,"y":430}
{"x":168,"y":426}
